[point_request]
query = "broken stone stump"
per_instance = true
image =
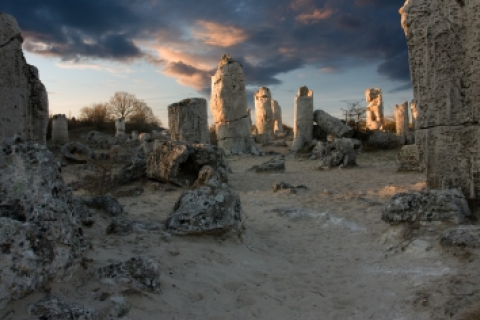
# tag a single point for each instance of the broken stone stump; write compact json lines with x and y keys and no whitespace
{"x":303,"y":119}
{"x":180,"y":163}
{"x":188,"y":121}
{"x":274,"y":165}
{"x":431,"y":205}
{"x":60,"y":129}
{"x":331,"y":125}
{"x":120,"y":127}
{"x":407,"y":159}
{"x":212,"y":209}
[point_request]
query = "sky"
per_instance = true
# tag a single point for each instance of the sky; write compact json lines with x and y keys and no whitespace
{"x":163,"y":51}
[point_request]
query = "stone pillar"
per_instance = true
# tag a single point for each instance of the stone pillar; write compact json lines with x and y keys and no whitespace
{"x":401,"y":120}
{"x":134,"y":135}
{"x":120,"y":127}
{"x":374,"y":113}
{"x":263,"y":113}
{"x":413,"y":109}
{"x":228,"y":104}
{"x":60,"y":129}
{"x":188,"y":121}
{"x":277,"y":117}
{"x":303,"y":119}
{"x":443,"y":42}
{"x":23,"y":97}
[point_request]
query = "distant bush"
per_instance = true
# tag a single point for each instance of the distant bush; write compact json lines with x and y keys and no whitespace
{"x":286,"y":127}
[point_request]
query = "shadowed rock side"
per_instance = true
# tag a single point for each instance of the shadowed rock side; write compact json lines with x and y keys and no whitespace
{"x":24,"y":97}
{"x":180,"y":163}
{"x":60,"y":129}
{"x":338,"y":153}
{"x":188,"y":121}
{"x":443,"y":43}
{"x":39,"y":233}
{"x":466,"y":237}
{"x":54,"y":308}
{"x":407,"y":159}
{"x":277,"y":117}
{"x":228,"y":104}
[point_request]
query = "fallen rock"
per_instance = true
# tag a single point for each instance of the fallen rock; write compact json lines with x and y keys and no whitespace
{"x":106,"y":203}
{"x":140,"y":272}
{"x":124,"y":227}
{"x":39,"y":235}
{"x":429,"y":205}
{"x":206,"y":174}
{"x":53,"y":308}
{"x":338,"y":153}
{"x":274,"y":165}
{"x":180,"y":163}
{"x":278,"y":186}
{"x":214,"y":208}
{"x":83,"y":214}
{"x":332,"y":125}
{"x":464,"y":237}
{"x":77,"y":152}
{"x":133,"y":171}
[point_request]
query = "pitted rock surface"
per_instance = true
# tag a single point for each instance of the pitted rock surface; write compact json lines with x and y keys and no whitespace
{"x":407,"y":159}
{"x":214,"y":208}
{"x":466,"y":237}
{"x":140,"y":272}
{"x":106,"y":203}
{"x":77,"y":152}
{"x":83,"y":214}
{"x":274,"y":165}
{"x":54,"y":308}
{"x":39,"y":232}
{"x":431,"y":205}
{"x":125,"y":227}
{"x":338,"y":153}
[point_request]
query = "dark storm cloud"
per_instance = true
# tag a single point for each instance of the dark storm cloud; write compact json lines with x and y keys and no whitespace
{"x":279,"y":35}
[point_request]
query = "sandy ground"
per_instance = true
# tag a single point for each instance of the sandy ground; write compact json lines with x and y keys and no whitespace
{"x":330,"y":258}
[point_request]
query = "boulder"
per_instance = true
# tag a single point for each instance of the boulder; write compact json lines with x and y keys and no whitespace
{"x":133,"y":171}
{"x":337,"y":153}
{"x":54,"y":308}
{"x":213,"y":209}
{"x":81,"y":211}
{"x":180,"y":163}
{"x":332,"y":125}
{"x":466,"y":237}
{"x":39,"y":232}
{"x":76,"y":152}
{"x":431,"y":205}
{"x":283,"y":186}
{"x":106,"y":203}
{"x":274,"y":165}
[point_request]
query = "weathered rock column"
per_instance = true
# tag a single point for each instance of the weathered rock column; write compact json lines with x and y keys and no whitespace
{"x":303,"y":119}
{"x":188,"y":121}
{"x":134,"y":135}
{"x":263,"y":113}
{"x":277,"y":117}
{"x":374,"y":108}
{"x":24,"y":100}
{"x":229,"y":107}
{"x":443,"y":44}
{"x":120,"y":127}
{"x":401,"y":120}
{"x":414,"y":111}
{"x":60,"y":129}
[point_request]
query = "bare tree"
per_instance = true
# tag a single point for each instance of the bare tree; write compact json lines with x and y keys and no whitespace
{"x":354,"y":113}
{"x":96,"y":114}
{"x":143,"y":115}
{"x":121,"y":105}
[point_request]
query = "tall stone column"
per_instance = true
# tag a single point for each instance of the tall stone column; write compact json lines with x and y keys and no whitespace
{"x":229,"y":105}
{"x":374,"y":114}
{"x":402,"y":120}
{"x":303,"y":119}
{"x":277,"y":117}
{"x":263,"y":113}
{"x":188,"y":121}
{"x":60,"y":129}
{"x":120,"y":127}
{"x":414,"y":112}
{"x":443,"y":42}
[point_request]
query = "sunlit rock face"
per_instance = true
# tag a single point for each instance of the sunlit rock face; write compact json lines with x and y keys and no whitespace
{"x":263,"y":113}
{"x":277,"y":117}
{"x":443,"y":45}
{"x":228,"y":104}
{"x":401,"y":120}
{"x":188,"y":121}
{"x":303,"y":118}
{"x":24,"y":100}
{"x":374,"y":108}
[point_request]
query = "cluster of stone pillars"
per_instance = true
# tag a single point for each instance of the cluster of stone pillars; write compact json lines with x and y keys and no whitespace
{"x":268,"y":114}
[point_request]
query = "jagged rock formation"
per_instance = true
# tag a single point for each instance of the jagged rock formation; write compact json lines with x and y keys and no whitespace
{"x":277,"y":117}
{"x":263,"y":114}
{"x":401,"y":121}
{"x":443,"y":43}
{"x":430,"y":205}
{"x":24,"y":97}
{"x":228,"y":104}
{"x":338,"y":153}
{"x":39,"y":233}
{"x":332,"y":125}
{"x":180,"y":163}
{"x":374,"y":114}
{"x":188,"y":121}
{"x":407,"y":159}
{"x":214,"y":209}
{"x":60,"y":129}
{"x":303,"y":119}
{"x":120,"y":127}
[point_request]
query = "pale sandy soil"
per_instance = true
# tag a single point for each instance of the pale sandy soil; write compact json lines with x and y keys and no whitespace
{"x":334,"y":260}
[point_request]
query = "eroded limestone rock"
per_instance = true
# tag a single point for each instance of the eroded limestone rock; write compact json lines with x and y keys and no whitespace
{"x":274,"y":165}
{"x":39,"y":233}
{"x":303,"y":119}
{"x":263,"y":114}
{"x":228,"y":104}
{"x":212,"y":209}
{"x":77,"y":152}
{"x":374,"y":114}
{"x":180,"y":163}
{"x":277,"y":117}
{"x":464,"y":237}
{"x":24,"y":97}
{"x":60,"y":129}
{"x":407,"y":159}
{"x":54,"y":308}
{"x":188,"y":121}
{"x":337,"y":153}
{"x":401,"y":121}
{"x":331,"y":125}
{"x":431,"y":205}
{"x":106,"y":203}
